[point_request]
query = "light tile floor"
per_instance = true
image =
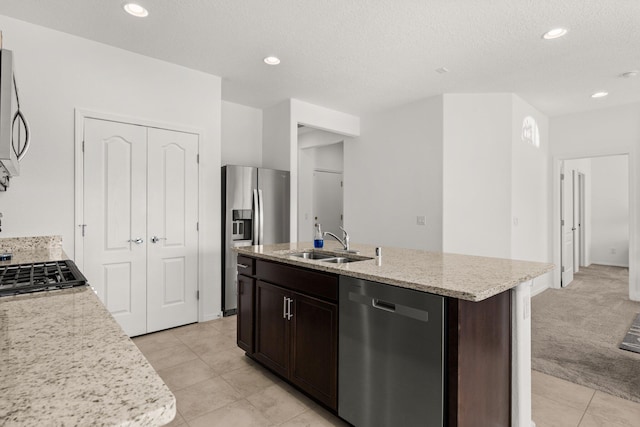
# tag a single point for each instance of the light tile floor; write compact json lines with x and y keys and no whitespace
{"x":215,"y":384}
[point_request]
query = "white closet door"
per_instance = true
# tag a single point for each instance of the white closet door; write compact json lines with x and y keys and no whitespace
{"x":568,"y":228}
{"x":172,"y":215}
{"x":115,"y":208}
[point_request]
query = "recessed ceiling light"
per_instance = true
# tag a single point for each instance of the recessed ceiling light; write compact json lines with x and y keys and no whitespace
{"x":600,"y":94}
{"x":629,"y":74}
{"x":271,"y":60}
{"x":136,"y":10}
{"x":555,"y":33}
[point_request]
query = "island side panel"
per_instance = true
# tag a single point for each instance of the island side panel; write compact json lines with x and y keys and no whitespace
{"x":479,"y":362}
{"x":521,"y":355}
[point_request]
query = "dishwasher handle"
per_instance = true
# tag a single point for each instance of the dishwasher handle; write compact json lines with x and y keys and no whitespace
{"x":383,"y":305}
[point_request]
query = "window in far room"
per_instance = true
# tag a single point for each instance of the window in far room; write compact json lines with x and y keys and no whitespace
{"x":530,"y":133}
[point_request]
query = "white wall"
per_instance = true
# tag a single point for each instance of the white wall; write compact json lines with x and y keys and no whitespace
{"x":530,"y":188}
{"x":610,"y":210}
{"x":607,"y":131}
{"x":310,"y":137}
{"x":58,"y":73}
{"x":241,"y":137}
{"x":276,"y":137}
{"x":477,"y":174}
{"x":393,"y":174}
{"x":331,"y":157}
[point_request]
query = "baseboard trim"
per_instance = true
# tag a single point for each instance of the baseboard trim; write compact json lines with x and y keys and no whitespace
{"x":539,"y":288}
{"x":608,"y":264}
{"x":211,"y":316}
{"x":540,"y":284}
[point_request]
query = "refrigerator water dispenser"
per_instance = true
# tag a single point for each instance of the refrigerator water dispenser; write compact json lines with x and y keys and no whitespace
{"x":241,"y":224}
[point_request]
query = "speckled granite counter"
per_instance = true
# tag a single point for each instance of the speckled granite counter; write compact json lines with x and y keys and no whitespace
{"x":32,"y":249}
{"x":465,"y":277}
{"x":65,"y":361}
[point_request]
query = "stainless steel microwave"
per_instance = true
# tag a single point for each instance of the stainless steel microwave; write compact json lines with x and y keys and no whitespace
{"x":13,"y":125}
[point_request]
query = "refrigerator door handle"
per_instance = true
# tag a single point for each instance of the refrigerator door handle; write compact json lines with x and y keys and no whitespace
{"x":261,"y":207}
{"x":256,"y":218}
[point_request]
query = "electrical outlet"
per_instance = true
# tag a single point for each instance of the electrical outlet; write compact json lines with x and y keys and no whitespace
{"x":421,"y":220}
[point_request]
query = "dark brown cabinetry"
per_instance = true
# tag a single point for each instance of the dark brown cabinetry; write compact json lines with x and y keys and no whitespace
{"x":272,"y":327}
{"x":314,"y":348}
{"x":246,"y":297}
{"x":479,"y":362}
{"x":295,"y":319}
{"x":288,"y":321}
{"x":246,"y":293}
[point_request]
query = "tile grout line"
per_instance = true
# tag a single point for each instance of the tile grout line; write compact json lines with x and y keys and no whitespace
{"x":587,"y":408}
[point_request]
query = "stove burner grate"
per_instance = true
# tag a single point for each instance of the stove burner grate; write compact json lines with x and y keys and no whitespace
{"x":39,"y":276}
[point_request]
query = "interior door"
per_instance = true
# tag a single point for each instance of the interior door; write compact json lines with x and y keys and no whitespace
{"x":327,"y":200}
{"x":576,"y":220}
{"x":581,"y":220}
{"x":567,"y":217}
{"x":115,"y":162}
{"x":172,"y":229}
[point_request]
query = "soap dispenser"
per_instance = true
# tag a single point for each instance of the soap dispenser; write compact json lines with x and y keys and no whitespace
{"x":318,"y":240}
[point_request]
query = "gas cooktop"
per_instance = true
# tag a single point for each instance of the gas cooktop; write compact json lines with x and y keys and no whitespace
{"x":39,"y":276}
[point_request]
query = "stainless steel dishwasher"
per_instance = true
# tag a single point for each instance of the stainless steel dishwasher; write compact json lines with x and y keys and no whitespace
{"x":391,"y":355}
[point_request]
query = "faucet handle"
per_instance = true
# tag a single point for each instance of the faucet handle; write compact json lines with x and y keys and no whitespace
{"x":345,"y":237}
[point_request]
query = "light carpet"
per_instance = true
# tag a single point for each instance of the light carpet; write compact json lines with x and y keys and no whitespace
{"x":576,"y":332}
{"x":631,"y":341}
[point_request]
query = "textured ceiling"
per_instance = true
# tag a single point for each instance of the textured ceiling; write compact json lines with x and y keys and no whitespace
{"x":360,"y":56}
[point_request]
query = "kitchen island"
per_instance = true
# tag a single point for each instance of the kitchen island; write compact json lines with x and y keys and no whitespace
{"x":65,"y":361}
{"x":484,"y":323}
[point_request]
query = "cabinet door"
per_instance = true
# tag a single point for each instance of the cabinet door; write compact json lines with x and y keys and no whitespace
{"x":246,"y":292}
{"x":272,"y":327}
{"x":314,"y":348}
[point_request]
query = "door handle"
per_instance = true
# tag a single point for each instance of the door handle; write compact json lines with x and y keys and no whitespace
{"x":289,"y":315}
{"x":284,"y":308}
{"x":256,"y":218}
{"x":155,"y":239}
{"x":383,"y":305}
{"x":136,"y":241}
{"x":261,"y":213}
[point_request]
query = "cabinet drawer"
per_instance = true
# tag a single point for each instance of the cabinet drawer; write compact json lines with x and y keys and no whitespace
{"x":314,"y":283}
{"x":246,"y":265}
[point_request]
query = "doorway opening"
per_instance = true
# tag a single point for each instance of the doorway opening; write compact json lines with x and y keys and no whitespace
{"x":320,"y":181}
{"x":594,"y":213}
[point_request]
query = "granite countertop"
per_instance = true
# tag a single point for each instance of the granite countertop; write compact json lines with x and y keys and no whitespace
{"x":471,"y":278}
{"x":65,"y":361}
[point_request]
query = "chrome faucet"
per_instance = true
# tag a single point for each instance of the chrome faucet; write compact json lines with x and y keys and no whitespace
{"x":345,"y":238}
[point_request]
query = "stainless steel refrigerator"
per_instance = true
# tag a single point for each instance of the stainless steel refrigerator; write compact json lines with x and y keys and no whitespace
{"x":255,"y":211}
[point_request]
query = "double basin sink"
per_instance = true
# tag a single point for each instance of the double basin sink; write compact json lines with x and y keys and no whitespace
{"x":328,"y":257}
